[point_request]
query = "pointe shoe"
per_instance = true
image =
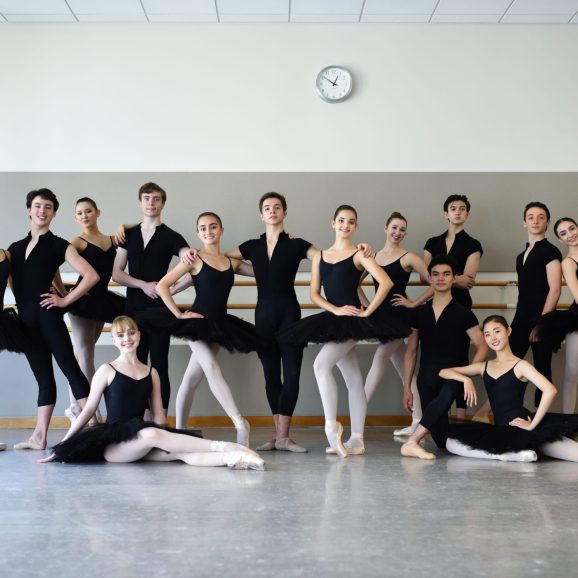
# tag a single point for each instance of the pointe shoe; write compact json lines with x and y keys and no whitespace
{"x":2,"y":446}
{"x":241,"y":460}
{"x":267,"y":446}
{"x":288,"y":445}
{"x":243,"y":431}
{"x":350,"y":449}
{"x":416,"y":451}
{"x":334,"y":439}
{"x":70,"y":415}
{"x":29,"y":445}
{"x":406,"y":431}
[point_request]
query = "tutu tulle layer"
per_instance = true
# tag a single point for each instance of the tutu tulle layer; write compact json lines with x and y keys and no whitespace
{"x":554,"y":326}
{"x":101,"y":306}
{"x":228,"y":331}
{"x":326,"y":327}
{"x":501,"y":439}
{"x":12,"y":333}
{"x":89,"y":444}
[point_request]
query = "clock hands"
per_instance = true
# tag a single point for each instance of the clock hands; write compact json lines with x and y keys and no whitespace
{"x":331,"y":81}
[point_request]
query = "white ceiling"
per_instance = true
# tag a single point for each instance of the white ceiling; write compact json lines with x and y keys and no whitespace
{"x":492,"y":11}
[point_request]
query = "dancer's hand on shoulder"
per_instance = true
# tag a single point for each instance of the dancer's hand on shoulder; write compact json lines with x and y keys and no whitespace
{"x":50,"y":458}
{"x":366,"y":250}
{"x":190,"y":256}
{"x":523,"y":423}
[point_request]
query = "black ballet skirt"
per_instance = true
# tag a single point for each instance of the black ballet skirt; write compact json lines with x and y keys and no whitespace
{"x":126,"y":401}
{"x":506,"y":395}
{"x":340,"y":281}
{"x":13,"y":337}
{"x":212,"y":288}
{"x":554,"y":326}
{"x":99,"y":303}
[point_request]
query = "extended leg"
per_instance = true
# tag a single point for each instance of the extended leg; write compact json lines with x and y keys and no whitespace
{"x":459,"y":449}
{"x":570,"y":374}
{"x":191,"y":380}
{"x":565,"y":449}
{"x":416,"y":414}
{"x":382,"y":355}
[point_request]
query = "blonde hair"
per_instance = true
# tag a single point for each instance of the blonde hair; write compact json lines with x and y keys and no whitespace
{"x":123,"y":323}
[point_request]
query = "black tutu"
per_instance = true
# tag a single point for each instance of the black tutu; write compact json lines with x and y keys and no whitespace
{"x":501,"y":439}
{"x":12,"y":333}
{"x":326,"y":327}
{"x":554,"y":326}
{"x":226,"y":330}
{"x":100,"y":306}
{"x":89,"y":444}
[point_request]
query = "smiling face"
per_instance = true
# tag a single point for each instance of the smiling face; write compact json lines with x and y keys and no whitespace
{"x":536,"y":221}
{"x":41,"y":212}
{"x":442,"y":278}
{"x":497,"y":336}
{"x":209,"y":230}
{"x":396,"y":230}
{"x":86,"y":215}
{"x":567,"y":232}
{"x":345,"y":223}
{"x":457,"y":213}
{"x":152,"y":204}
{"x":126,"y":339}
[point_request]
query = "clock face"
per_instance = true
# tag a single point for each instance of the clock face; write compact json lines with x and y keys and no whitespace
{"x":334,"y":84}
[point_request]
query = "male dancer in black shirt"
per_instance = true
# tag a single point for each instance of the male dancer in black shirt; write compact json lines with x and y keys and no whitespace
{"x":466,"y":253}
{"x":443,"y":328}
{"x":34,"y":262}
{"x":148,"y":249}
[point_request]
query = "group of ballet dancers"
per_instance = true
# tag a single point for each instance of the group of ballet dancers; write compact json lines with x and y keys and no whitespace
{"x":439,"y":325}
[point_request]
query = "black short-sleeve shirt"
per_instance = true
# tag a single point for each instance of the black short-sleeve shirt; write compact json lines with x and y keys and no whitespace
{"x":149,"y":263}
{"x":533,"y":285}
{"x":33,"y":276}
{"x":444,"y":343}
{"x":464,"y":245}
{"x":275,"y":277}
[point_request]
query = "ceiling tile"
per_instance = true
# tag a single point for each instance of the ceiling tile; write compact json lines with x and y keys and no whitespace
{"x":402,"y":7}
{"x":34,"y":7}
{"x":201,"y":18}
{"x":179,"y":7}
{"x":465,"y":18}
{"x":543,"y":7}
{"x":368,"y":18}
{"x":253,"y":17}
{"x":477,"y":7}
{"x":253,"y":7}
{"x":40,"y":17}
{"x":535,"y":18}
{"x":332,"y":8}
{"x":108,"y":7}
{"x":132,"y":17}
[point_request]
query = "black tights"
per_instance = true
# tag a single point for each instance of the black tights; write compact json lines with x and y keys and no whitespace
{"x":157,"y":344}
{"x":271,"y":315}
{"x":49,"y":337}
{"x":436,"y":395}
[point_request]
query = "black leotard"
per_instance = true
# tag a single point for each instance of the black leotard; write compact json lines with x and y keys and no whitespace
{"x":126,"y":397}
{"x":12,"y":337}
{"x":399,"y":277}
{"x":340,"y":281}
{"x":212,"y":290}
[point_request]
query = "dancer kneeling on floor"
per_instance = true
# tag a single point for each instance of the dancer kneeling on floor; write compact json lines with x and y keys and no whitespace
{"x":517,"y":434}
{"x":129,"y":387}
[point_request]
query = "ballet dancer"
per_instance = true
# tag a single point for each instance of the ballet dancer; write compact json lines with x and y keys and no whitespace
{"x":343,"y":323}
{"x":148,"y":249}
{"x":517,"y":434}
{"x":207,"y":326}
{"x":398,"y":264}
{"x":130,"y":387}
{"x":88,"y":315}
{"x":443,"y":330}
{"x":35,"y":260}
{"x":556,"y":326}
{"x":466,"y":252}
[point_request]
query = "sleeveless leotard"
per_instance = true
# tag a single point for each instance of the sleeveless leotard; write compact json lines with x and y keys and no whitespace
{"x":399,"y":277}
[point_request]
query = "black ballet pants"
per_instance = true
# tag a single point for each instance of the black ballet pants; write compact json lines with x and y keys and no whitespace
{"x":541,"y":352}
{"x":157,"y":345}
{"x":273,"y":314}
{"x":51,"y":338}
{"x":436,"y":396}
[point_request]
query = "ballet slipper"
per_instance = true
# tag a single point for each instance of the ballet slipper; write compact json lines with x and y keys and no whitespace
{"x":243,"y":429}
{"x":267,"y":446}
{"x":406,"y":431}
{"x":288,"y":445}
{"x":334,"y":438}
{"x":414,"y":450}
{"x":521,"y":456}
{"x":70,"y":415}
{"x":29,"y":445}
{"x":242,"y":460}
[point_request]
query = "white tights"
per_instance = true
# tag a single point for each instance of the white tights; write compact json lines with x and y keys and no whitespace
{"x":570,"y":374}
{"x":85,"y":334}
{"x":343,"y":355}
{"x":394,"y":350}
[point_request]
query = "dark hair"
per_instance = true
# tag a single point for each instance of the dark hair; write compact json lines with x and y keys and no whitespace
{"x":443,"y":260}
{"x":537,"y":205}
{"x":395,"y":215}
{"x":272,"y":195}
{"x":495,"y":319}
{"x":45,"y":194}
{"x":87,"y":200}
{"x":344,"y":208}
{"x":149,"y":188}
{"x":209,"y":214}
{"x":452,"y":198}
{"x":560,"y":221}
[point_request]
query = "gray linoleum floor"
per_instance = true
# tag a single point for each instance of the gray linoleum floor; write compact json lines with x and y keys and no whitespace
{"x":307,"y":515}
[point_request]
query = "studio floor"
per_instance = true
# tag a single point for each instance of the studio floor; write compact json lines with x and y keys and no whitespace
{"x":307,"y":515}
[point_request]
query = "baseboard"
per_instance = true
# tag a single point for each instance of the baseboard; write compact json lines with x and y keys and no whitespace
{"x":222,"y":421}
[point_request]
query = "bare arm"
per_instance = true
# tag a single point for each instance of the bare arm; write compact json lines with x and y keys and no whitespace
{"x":164,"y":289}
{"x":243,"y":268}
{"x":361,"y":293}
{"x":385,"y":283}
{"x":312,"y":252}
{"x":58,"y":284}
{"x":123,"y":278}
{"x":234,"y":254}
{"x":477,"y":338}
{"x":569,"y":269}
{"x":409,"y":363}
{"x":464,"y":375}
{"x":468,"y":279}
{"x":120,"y":234}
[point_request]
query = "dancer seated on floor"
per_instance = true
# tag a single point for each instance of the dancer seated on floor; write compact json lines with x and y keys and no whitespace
{"x":129,"y":387}
{"x":398,"y":264}
{"x":517,"y":434}
{"x":207,"y":326}
{"x":341,"y":325}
